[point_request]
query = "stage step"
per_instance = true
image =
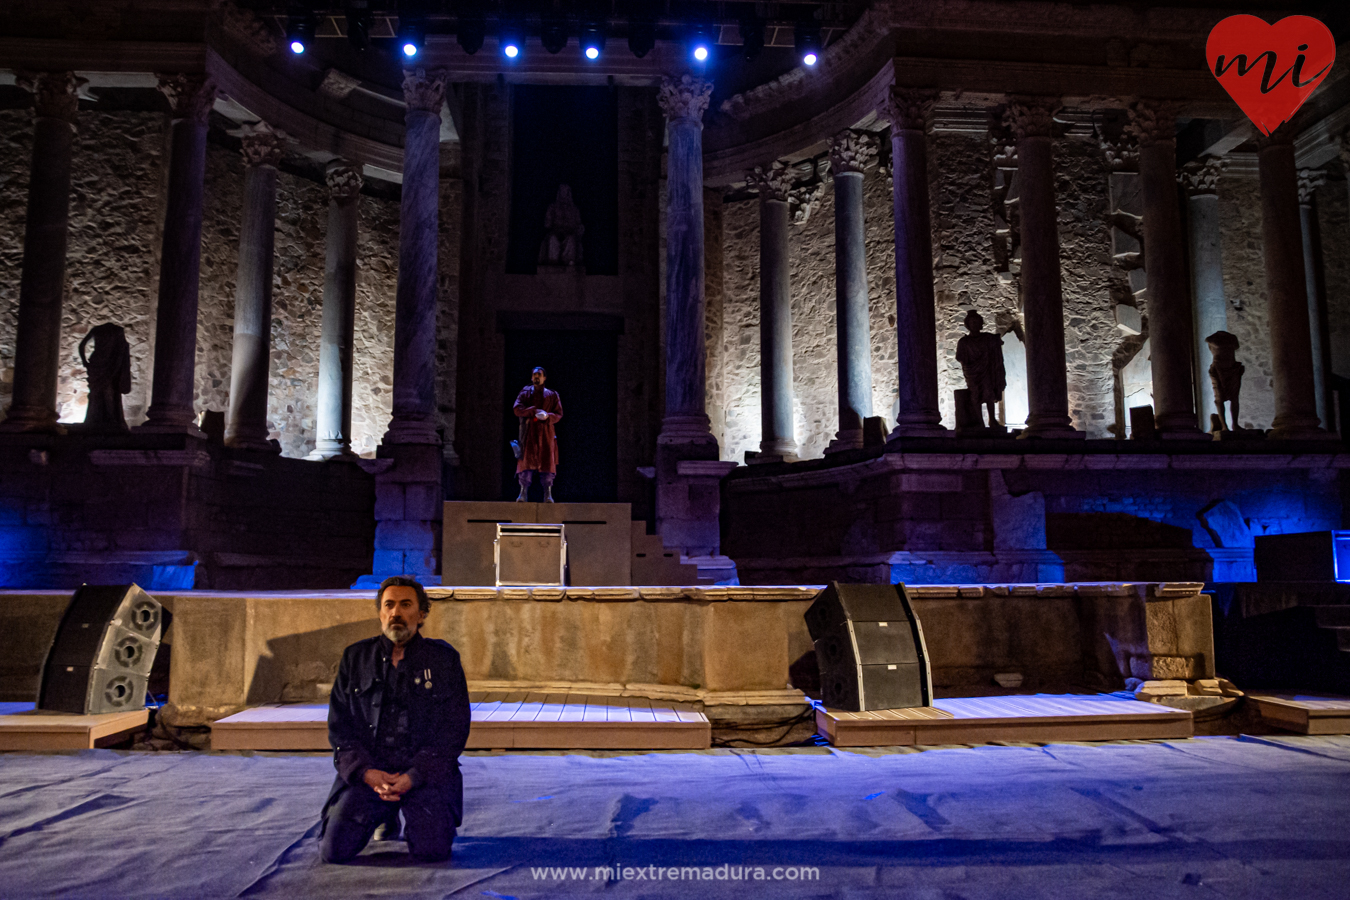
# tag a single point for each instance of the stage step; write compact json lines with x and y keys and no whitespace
{"x":1304,"y":713}
{"x":984,"y":720}
{"x":24,"y":728}
{"x":501,"y":721}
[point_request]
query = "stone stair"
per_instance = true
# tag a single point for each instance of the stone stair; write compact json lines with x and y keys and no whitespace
{"x":653,"y":564}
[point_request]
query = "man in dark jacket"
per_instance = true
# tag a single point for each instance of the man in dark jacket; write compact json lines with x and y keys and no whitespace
{"x":398,"y":719}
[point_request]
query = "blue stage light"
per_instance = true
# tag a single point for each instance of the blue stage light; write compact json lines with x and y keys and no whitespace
{"x":511,"y":50}
{"x":701,"y":52}
{"x":411,"y":36}
{"x":300,"y":29}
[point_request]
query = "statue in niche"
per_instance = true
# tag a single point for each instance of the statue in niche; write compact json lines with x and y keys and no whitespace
{"x":109,"y":370}
{"x":980,"y":354}
{"x":562,"y":232}
{"x":1225,"y":374}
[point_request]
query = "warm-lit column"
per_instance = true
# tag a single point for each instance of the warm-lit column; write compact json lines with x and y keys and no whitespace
{"x":686,"y":420}
{"x":42,"y":282}
{"x":173,"y":386}
{"x":334,"y":408}
{"x":414,"y":419}
{"x":1169,"y":309}
{"x":1287,"y":307}
{"x":911,"y":113}
{"x":775,"y":312}
{"x":246,"y":422}
{"x":1210,"y":311}
{"x":850,"y":153}
{"x":1308,"y":182}
{"x":1031,"y":121}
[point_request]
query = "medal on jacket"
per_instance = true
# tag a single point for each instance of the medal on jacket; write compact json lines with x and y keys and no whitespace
{"x":427,"y":683}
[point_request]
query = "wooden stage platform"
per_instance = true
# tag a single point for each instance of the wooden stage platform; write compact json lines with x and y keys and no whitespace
{"x":501,"y":721}
{"x":27,"y":729}
{"x":984,"y":720}
{"x":1304,"y":713}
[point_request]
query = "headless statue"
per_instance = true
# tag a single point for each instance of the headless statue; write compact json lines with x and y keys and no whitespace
{"x":562,"y":231}
{"x":109,"y":370}
{"x":980,"y":354}
{"x":1225,"y":375}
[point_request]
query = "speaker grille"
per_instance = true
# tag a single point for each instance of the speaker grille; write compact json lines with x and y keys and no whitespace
{"x":103,"y":651}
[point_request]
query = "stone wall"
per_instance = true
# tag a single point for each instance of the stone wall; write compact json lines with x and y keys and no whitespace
{"x":1334,"y":218}
{"x":1244,"y":287}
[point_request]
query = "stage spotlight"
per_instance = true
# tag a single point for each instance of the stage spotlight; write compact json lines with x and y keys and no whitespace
{"x":752,"y":36}
{"x":807,"y":38}
{"x":358,"y":24}
{"x":471,"y":30}
{"x":300,"y":27}
{"x":701,"y":46}
{"x":512,"y":40}
{"x":641,"y":35}
{"x":411,"y":36}
{"x":553,"y":33}
{"x":592,"y":39}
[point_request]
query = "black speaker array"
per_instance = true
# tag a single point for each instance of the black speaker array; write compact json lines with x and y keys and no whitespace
{"x":103,"y":651}
{"x":870,"y":648}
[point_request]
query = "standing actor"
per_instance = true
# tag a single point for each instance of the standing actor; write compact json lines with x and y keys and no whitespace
{"x":398,"y":719}
{"x":539,"y":409}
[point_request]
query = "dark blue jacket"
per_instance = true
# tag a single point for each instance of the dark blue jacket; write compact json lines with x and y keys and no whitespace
{"x":438,"y":715}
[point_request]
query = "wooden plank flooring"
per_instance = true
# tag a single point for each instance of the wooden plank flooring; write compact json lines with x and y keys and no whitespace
{"x":501,"y":721}
{"x":980,"y":720}
{"x":1304,"y":713}
{"x":26,"y":729}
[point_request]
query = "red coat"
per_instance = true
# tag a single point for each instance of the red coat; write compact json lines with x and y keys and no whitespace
{"x":541,"y":443}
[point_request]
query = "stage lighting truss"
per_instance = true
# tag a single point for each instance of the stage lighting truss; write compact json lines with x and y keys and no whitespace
{"x":592,"y":39}
{"x":807,"y":40}
{"x":301,"y":24}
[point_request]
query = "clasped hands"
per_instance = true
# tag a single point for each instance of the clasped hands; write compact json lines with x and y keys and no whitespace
{"x":386,"y":785}
{"x":541,"y":415}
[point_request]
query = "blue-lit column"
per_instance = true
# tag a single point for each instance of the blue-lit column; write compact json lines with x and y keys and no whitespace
{"x":777,"y":440}
{"x":333,"y":412}
{"x":1210,"y":308}
{"x":850,"y":153}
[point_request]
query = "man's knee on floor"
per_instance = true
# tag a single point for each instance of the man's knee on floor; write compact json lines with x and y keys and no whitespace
{"x":341,"y":841}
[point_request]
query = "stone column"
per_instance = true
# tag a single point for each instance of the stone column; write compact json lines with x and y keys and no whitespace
{"x":911,"y":113}
{"x":42,"y":282}
{"x":1210,"y":311}
{"x":1171,"y":331}
{"x":334,"y":408}
{"x":414,"y":420}
{"x":1309,"y":180}
{"x":250,"y":365}
{"x":686,"y":419}
{"x":173,"y":386}
{"x":777,"y":441}
{"x":850,"y":153}
{"x":1031,"y":121}
{"x":1287,"y":310}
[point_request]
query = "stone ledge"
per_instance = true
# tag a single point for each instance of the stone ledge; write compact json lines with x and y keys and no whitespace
{"x":191,"y":458}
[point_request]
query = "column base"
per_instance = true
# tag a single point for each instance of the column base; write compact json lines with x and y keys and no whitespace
{"x":845,"y":440}
{"x":190,"y":429}
{"x":1295,"y":433}
{"x":411,"y":431}
{"x":253,"y":444}
{"x":325,"y":452}
{"x":919,"y":430}
{"x":785,"y":450}
{"x":1055,"y":428}
{"x":32,"y":419}
{"x":685,"y":430}
{"x":757,"y":458}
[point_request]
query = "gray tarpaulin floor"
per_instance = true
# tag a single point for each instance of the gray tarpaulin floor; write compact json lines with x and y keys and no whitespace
{"x":1214,"y":817}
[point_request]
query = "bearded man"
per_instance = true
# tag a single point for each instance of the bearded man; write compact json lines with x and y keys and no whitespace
{"x":398,"y":719}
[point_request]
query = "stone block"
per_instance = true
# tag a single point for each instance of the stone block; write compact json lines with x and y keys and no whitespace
{"x":387,"y":562}
{"x":423,"y":501}
{"x":405,"y":535}
{"x":921,"y":506}
{"x":930,"y":482}
{"x":390,"y":502}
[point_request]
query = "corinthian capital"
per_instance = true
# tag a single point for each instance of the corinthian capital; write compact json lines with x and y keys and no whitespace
{"x":1029,"y":117}
{"x":1309,"y":180}
{"x":190,"y":96}
{"x":344,"y":179}
{"x":910,"y":109}
{"x":424,"y":91}
{"x":803,"y":200}
{"x":852,"y":151}
{"x":1201,"y":176}
{"x":54,"y":94}
{"x":773,"y":183}
{"x":1153,"y":121}
{"x":1122,"y":154}
{"x":262,"y":145}
{"x":684,"y":99}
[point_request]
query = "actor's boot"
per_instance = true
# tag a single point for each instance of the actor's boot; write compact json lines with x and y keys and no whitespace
{"x":548,"y":494}
{"x":523,"y":491}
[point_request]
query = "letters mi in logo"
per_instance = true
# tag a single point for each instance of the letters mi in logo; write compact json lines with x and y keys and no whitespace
{"x":1270,"y":70}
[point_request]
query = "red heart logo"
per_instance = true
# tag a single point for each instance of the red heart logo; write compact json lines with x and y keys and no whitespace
{"x":1269,"y":70}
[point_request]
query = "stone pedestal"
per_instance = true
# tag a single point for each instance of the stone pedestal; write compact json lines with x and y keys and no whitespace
{"x":1210,"y":312}
{"x":334,"y":407}
{"x":1169,"y":309}
{"x":850,"y":154}
{"x":173,"y":387}
{"x":1287,"y":318}
{"x":687,"y":504}
{"x":910,"y":112}
{"x":42,"y":283}
{"x":408,"y":509}
{"x":777,"y":440}
{"x":246,"y":421}
{"x":1308,"y":182}
{"x":1042,"y":294}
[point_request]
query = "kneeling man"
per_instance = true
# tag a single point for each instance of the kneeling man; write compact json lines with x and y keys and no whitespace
{"x":398,"y":719}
